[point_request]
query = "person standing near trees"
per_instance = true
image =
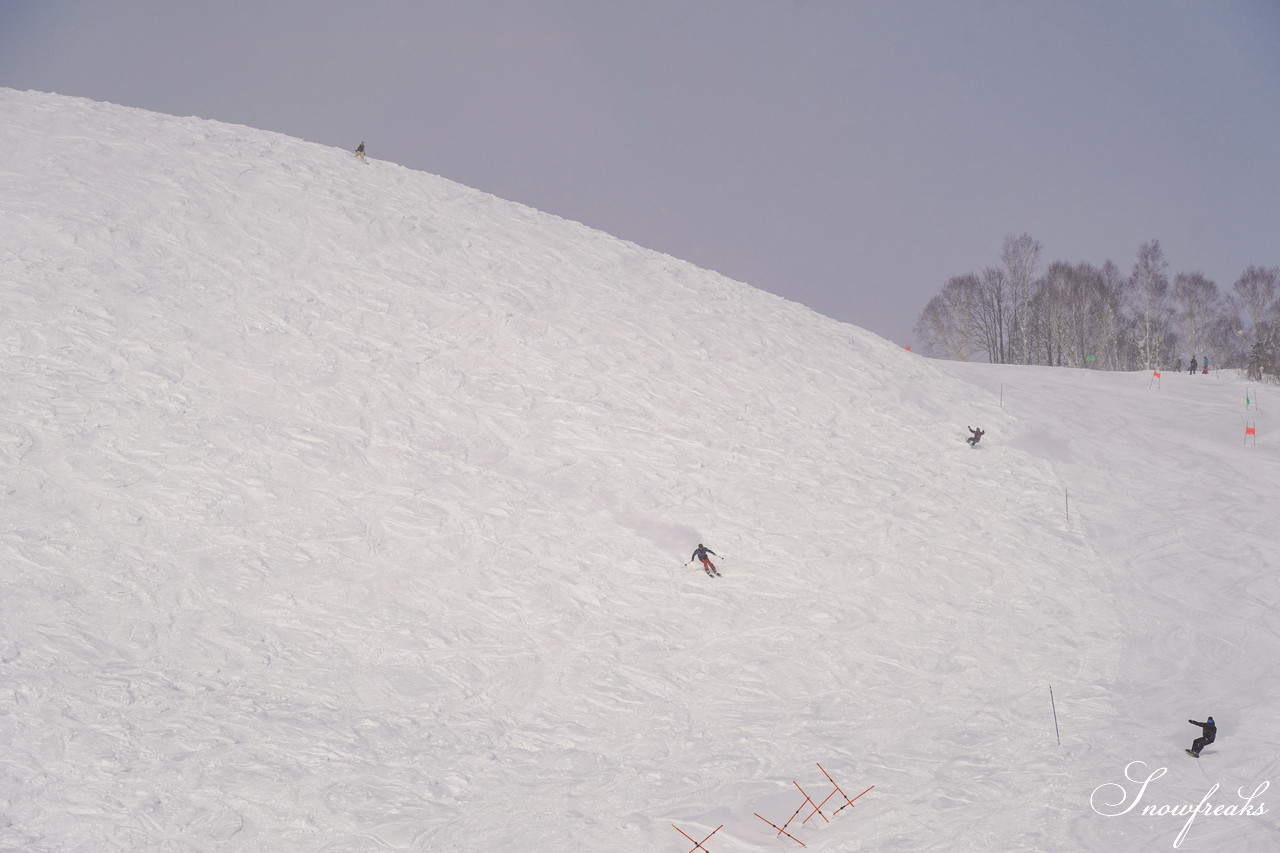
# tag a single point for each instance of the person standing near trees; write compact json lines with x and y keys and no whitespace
{"x":1195,"y":365}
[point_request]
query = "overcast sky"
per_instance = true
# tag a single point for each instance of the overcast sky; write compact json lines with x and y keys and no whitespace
{"x":849,"y":155}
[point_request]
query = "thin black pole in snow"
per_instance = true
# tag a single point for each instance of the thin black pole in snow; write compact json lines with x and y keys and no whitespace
{"x":1066,"y":502}
{"x":1054,"y":705}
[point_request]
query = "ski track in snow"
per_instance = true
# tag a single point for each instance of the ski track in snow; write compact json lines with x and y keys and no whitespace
{"x":347,"y":508}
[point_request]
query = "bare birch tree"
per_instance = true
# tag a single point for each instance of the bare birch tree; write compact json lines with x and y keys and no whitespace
{"x":1257,"y":292}
{"x":1152,"y":309}
{"x":1072,"y":308}
{"x":1021,"y":258}
{"x":991,"y":314}
{"x":946,"y":323}
{"x":1199,"y":304}
{"x":1115,"y":351}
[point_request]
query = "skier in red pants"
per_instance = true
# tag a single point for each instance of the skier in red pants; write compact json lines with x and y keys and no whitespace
{"x":700,"y":553}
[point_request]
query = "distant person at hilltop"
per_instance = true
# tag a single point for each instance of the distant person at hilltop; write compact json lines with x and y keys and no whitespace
{"x":360,"y":151}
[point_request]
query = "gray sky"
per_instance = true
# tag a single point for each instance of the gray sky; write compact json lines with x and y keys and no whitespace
{"x":850,"y":155}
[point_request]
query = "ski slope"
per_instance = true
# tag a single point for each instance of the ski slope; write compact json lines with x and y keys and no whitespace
{"x":346,"y":508}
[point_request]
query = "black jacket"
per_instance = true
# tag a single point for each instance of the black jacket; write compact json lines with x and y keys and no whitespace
{"x":1210,"y":729}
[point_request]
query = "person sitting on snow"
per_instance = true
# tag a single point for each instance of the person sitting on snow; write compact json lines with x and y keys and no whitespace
{"x":1209,"y":736}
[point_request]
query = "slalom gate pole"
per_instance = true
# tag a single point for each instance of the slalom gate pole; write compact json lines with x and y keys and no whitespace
{"x":781,"y":831}
{"x":1054,"y":705}
{"x":807,"y":801}
{"x":697,"y":845}
{"x":847,"y":801}
{"x":817,"y":809}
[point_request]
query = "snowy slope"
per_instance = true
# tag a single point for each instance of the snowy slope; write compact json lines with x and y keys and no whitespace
{"x":346,"y":508}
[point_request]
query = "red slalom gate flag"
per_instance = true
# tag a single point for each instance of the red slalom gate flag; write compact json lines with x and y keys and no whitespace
{"x":1157,"y":374}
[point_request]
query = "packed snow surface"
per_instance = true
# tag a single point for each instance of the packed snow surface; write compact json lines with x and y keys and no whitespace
{"x":345,"y":508}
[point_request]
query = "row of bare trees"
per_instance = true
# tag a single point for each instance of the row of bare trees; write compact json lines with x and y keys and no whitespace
{"x":1081,"y":315}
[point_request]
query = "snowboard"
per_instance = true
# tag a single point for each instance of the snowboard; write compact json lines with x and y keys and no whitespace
{"x":1189,"y":752}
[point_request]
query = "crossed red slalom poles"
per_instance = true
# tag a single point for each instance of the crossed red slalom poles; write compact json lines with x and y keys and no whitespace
{"x":782,"y":830}
{"x":697,"y":845}
{"x":817,"y":807}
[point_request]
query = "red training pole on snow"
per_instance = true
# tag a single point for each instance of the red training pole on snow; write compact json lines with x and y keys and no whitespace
{"x":847,"y":801}
{"x":807,"y":801}
{"x":817,"y":809}
{"x":697,"y":845}
{"x":781,"y":831}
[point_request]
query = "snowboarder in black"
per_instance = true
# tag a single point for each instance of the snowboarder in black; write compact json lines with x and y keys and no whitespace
{"x":1210,"y":734}
{"x":700,"y":553}
{"x":360,"y":151}
{"x":1195,"y":365}
{"x":976,"y":437}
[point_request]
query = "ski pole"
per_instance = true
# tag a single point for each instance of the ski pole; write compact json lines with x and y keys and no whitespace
{"x":1054,"y":705}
